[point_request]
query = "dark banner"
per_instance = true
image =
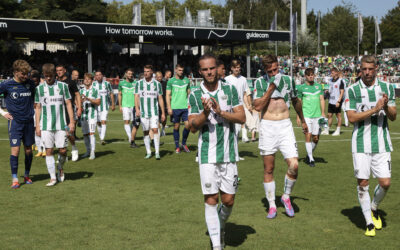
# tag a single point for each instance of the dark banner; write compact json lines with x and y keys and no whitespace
{"x":22,"y":26}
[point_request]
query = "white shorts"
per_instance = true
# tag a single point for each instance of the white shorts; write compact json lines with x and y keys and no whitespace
{"x":379,"y":163}
{"x":88,"y":127}
{"x":219,"y":176}
{"x":277,"y":135}
{"x":313,"y":125}
{"x":102,"y":115}
{"x":149,"y":123}
{"x":127,"y":114}
{"x":54,"y":138}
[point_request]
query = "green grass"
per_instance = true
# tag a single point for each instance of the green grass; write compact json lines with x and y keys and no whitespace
{"x":121,"y":201}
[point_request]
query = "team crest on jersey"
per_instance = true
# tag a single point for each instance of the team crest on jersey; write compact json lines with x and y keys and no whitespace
{"x":316,"y":87}
{"x":14,"y":141}
{"x":224,"y":97}
{"x":27,"y":85}
{"x":14,"y":95}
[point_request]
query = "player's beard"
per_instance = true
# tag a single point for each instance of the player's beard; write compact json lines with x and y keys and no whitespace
{"x":368,"y":80}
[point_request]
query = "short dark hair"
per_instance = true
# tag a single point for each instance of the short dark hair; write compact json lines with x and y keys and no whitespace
{"x":178,"y":66}
{"x":268,"y":60}
{"x":129,"y":69}
{"x":148,"y":66}
{"x":207,"y":56}
{"x":235,"y":63}
{"x":309,"y":71}
{"x":60,"y":65}
{"x":35,"y":74}
{"x":334,"y":69}
{"x":220,"y":62}
{"x":48,"y":68}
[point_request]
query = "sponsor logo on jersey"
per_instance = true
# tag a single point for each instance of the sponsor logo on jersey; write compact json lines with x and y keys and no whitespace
{"x":14,"y":95}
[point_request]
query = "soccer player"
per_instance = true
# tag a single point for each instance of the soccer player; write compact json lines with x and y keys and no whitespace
{"x":369,"y":104}
{"x":51,"y":97}
{"x":90,"y":101}
{"x":276,"y":131}
{"x":221,"y":69}
{"x":336,"y":96}
{"x":178,"y":89}
{"x":214,"y":109}
{"x":312,"y":96}
{"x":126,"y":101}
{"x":19,"y":93}
{"x":240,"y":83}
{"x":76,"y":105}
{"x":148,"y":96}
{"x":106,"y":96}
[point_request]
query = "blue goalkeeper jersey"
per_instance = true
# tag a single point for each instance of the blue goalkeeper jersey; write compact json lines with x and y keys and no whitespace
{"x":19,"y":99}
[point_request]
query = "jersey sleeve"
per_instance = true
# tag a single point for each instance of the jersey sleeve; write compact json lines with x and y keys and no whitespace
{"x":3,"y":88}
{"x":120,"y":86}
{"x":109,"y":88}
{"x":341,"y":84}
{"x":193,"y":106}
{"x":67,"y":95}
{"x":160,"y":92}
{"x":169,"y":84}
{"x":350,"y":100}
{"x":391,"y":96}
{"x":299,"y":89}
{"x":137,"y":87}
{"x":260,"y":88}
{"x":235,"y":97}
{"x":37,"y":99}
{"x":293,"y":90}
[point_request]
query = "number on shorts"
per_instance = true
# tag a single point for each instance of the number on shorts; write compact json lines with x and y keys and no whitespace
{"x":235,"y":183}
{"x":389,"y":165}
{"x":92,"y":127}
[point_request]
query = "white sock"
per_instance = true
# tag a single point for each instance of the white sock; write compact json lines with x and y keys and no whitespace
{"x":314,"y":145}
{"x":365,"y":202}
{"x":157,"y":143}
{"x":244,"y":134}
{"x":99,"y":129}
{"x":74,"y":147}
{"x":38,"y":142}
{"x":223,"y":213}
{"x":213,"y":225}
{"x":128,"y":131}
{"x":289,"y":184}
{"x":346,"y":120}
{"x":379,"y":194}
{"x":61,"y":161}
{"x":92,"y":143}
{"x":87,"y":142}
{"x":51,"y":166}
{"x":103,"y":131}
{"x":309,"y":149}
{"x":146,"y":140}
{"x":269,"y":188}
{"x":338,"y":129}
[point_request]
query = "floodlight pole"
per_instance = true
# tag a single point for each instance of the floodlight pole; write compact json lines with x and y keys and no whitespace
{"x":291,"y":41}
{"x":89,"y":55}
{"x":175,"y":55}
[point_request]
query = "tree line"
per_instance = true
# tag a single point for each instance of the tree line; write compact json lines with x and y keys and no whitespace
{"x":338,"y":26}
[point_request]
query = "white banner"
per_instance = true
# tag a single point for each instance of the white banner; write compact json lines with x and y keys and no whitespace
{"x":378,"y":31}
{"x":188,"y":18}
{"x":160,"y":17}
{"x":360,"y":28}
{"x":230,"y":22}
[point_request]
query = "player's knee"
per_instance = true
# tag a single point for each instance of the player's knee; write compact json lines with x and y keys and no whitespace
{"x":315,"y":139}
{"x":268,"y":170}
{"x":385,"y":184}
{"x":229,"y":202}
{"x":293,"y":167}
{"x":62,"y":151}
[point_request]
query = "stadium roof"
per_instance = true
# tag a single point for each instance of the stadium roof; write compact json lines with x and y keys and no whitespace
{"x":45,"y":30}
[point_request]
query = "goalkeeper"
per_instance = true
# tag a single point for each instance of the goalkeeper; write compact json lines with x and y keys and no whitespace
{"x":312,"y":96}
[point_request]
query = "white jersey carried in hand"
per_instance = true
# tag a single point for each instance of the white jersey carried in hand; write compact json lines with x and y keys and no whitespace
{"x":52,"y":99}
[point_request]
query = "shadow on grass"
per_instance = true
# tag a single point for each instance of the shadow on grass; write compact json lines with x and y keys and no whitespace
{"x":165,"y":152}
{"x":247,"y":154}
{"x":103,"y":153}
{"x":68,"y":176}
{"x":316,"y":159}
{"x":279,"y":203}
{"x":115,"y":140}
{"x":236,"y":235}
{"x":192,"y":147}
{"x":356,"y":216}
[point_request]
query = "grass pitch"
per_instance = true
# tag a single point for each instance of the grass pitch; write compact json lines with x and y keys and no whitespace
{"x":122,"y":201}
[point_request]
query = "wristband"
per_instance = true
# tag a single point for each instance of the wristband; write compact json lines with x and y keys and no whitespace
{"x":2,"y":112}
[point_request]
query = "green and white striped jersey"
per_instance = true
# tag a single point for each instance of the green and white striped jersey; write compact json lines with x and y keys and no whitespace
{"x":285,"y":87}
{"x":217,"y":138}
{"x":52,"y":99}
{"x":104,"y":90}
{"x":148,"y":93}
{"x":372,"y":134}
{"x":89,"y":110}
